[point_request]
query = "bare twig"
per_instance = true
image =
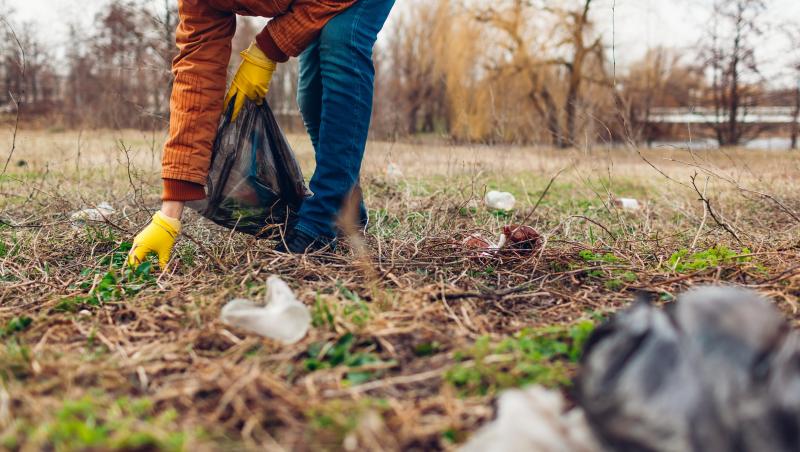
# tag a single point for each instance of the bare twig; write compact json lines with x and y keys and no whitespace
{"x":720,"y":222}
{"x":705,"y":216}
{"x":17,"y":102}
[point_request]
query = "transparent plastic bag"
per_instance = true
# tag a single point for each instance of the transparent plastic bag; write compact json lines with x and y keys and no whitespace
{"x":255,"y":184}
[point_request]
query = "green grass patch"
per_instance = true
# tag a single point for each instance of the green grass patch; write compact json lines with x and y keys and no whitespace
{"x":545,"y":356}
{"x":383,"y":224}
{"x":89,"y":424}
{"x":683,"y":261}
{"x":11,"y":245}
{"x":347,"y":351}
{"x":350,"y":310}
{"x":604,"y":258}
{"x":112,"y":280}
{"x":615,"y":279}
{"x":427,"y":349}
{"x":15,"y":325}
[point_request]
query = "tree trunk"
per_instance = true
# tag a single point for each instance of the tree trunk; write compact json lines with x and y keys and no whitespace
{"x":411,"y":119}
{"x":573,"y":91}
{"x":428,"y":123}
{"x":553,"y":126}
{"x":733,"y":136}
{"x":571,"y":109}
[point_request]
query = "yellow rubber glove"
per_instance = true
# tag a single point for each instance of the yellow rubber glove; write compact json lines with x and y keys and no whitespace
{"x":157,"y":238}
{"x":251,"y":80}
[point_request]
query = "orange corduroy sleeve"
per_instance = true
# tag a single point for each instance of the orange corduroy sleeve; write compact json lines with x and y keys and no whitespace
{"x":204,"y":47}
{"x":294,"y":30}
{"x":203,"y":37}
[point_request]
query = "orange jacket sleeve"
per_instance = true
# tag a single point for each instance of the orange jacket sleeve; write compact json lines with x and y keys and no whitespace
{"x":294,"y":30}
{"x":200,"y":69}
{"x":204,"y":47}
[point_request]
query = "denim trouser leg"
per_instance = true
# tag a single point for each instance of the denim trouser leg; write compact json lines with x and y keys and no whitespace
{"x":309,"y":92}
{"x":309,"y":98}
{"x":335,"y":98}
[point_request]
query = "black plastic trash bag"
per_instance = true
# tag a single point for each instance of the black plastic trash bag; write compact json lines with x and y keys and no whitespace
{"x":255,"y":184}
{"x":717,"y":371}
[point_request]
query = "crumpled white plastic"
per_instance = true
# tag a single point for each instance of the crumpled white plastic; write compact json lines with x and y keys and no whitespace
{"x":281,"y":317}
{"x":533,"y":420}
{"x":96,"y":214}
{"x":500,"y":200}
{"x":628,"y":203}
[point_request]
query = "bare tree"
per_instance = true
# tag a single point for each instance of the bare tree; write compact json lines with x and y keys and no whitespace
{"x":162,"y":21}
{"x":27,"y":73}
{"x":119,"y":71}
{"x":730,"y":54}
{"x":659,"y":80}
{"x":525,"y":59}
{"x":581,"y":47}
{"x":417,"y":87}
{"x":557,"y":68}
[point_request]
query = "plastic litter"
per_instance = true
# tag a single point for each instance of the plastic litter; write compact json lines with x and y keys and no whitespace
{"x":717,"y":370}
{"x":255,"y":184}
{"x":627,"y":203}
{"x":533,"y":419}
{"x":476,"y":241}
{"x":521,"y":237}
{"x":500,"y":200}
{"x":514,"y":237}
{"x":393,"y":171}
{"x":482,"y":246}
{"x":282,"y":317}
{"x":97,"y":214}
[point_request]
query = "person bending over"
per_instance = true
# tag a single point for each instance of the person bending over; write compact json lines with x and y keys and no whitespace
{"x":334,"y":40}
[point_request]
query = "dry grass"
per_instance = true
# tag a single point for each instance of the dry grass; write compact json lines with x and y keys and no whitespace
{"x":412,"y":340}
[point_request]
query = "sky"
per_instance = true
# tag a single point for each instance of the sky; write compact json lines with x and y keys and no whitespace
{"x":634,"y":25}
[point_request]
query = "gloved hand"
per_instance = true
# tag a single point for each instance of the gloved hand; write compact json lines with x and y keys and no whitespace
{"x":252,"y":78}
{"x":157,"y":238}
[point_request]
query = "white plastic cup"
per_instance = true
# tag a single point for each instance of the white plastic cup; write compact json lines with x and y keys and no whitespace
{"x":282,"y":318}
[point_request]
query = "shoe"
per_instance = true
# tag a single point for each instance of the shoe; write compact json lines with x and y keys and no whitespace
{"x":298,"y":242}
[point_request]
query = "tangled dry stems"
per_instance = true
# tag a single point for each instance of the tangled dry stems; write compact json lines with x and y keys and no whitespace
{"x":413,"y":283}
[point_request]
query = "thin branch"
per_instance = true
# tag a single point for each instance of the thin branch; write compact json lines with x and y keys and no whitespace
{"x":705,"y":217}
{"x":721,"y":223}
{"x":17,"y":103}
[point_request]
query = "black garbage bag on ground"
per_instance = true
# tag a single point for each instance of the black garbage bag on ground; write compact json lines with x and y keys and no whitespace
{"x":255,"y":184}
{"x":717,"y":371}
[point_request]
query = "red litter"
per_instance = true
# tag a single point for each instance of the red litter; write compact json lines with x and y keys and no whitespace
{"x":521,"y":237}
{"x":514,"y":237}
{"x":478,"y":243}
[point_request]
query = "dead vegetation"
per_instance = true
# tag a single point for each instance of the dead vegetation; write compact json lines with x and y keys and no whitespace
{"x":412,"y":338}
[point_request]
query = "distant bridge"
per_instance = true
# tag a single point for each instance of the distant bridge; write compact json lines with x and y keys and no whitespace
{"x":753,"y":115}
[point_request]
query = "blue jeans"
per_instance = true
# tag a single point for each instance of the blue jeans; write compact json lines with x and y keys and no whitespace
{"x":335,"y":98}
